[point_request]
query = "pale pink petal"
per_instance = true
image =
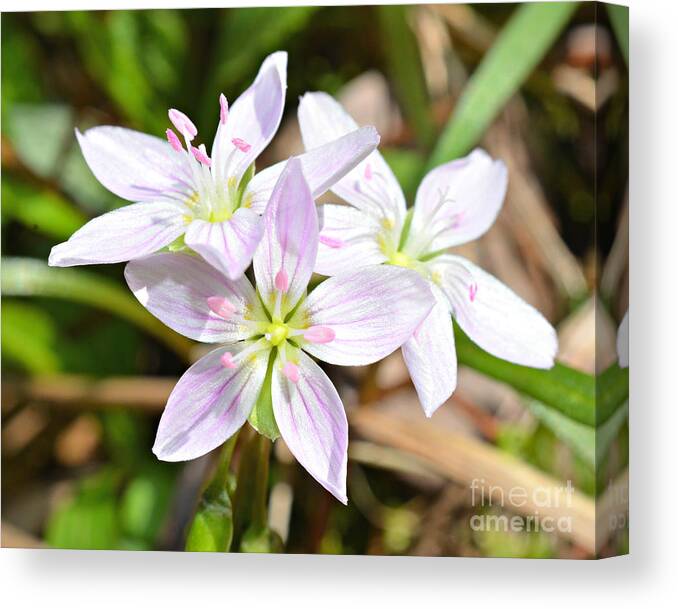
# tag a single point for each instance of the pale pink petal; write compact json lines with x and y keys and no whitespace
{"x":312,"y":421}
{"x":229,"y":245}
{"x":349,"y":239}
{"x":136,"y":166}
{"x":431,"y":358}
{"x":457,"y":202}
{"x":209,"y":404}
{"x":284,"y":261}
{"x":181,"y":291}
{"x":372,"y":311}
{"x":123,"y":234}
{"x":371,"y":185}
{"x":252,"y":119}
{"x":493,"y":316}
{"x":623,"y":342}
{"x":323,"y":166}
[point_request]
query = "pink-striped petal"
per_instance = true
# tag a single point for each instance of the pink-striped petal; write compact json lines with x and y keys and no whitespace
{"x":136,"y":166}
{"x":229,"y":245}
{"x":370,"y":185}
{"x":431,"y":358}
{"x":285,"y":258}
{"x":372,"y":312}
{"x":349,"y":239}
{"x":457,"y":202}
{"x":252,"y":119}
{"x":323,"y":166}
{"x":209,"y":404}
{"x":123,"y":234}
{"x":193,"y":298}
{"x":312,"y":421}
{"x":493,"y":316}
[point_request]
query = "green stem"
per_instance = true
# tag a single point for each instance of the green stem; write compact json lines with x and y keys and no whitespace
{"x":251,"y":493}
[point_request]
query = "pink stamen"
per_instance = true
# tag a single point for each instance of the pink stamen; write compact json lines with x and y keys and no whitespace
{"x":182,"y":123}
{"x":201,"y":156}
{"x":331,"y":242}
{"x":319,"y":334}
{"x":291,"y":371}
{"x":282,"y":282}
{"x":221,"y":306}
{"x":368,"y":171}
{"x":241,"y":145}
{"x":173,"y":140}
{"x":472,"y":291}
{"x":223,"y":109}
{"x":227,"y":360}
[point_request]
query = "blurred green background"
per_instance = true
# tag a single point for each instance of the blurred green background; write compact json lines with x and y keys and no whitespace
{"x":537,"y":86}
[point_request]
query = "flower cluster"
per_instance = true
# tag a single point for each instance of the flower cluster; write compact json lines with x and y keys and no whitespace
{"x":198,"y":220}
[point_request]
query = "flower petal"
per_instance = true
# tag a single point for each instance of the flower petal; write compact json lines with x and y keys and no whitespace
{"x":123,"y":234}
{"x":493,"y":316}
{"x":457,"y":202}
{"x":229,"y":245}
{"x":349,"y":239}
{"x":284,"y":261}
{"x":371,"y":185}
{"x":372,"y":312}
{"x":431,"y":358}
{"x":134,"y":165}
{"x":312,"y":421}
{"x":209,"y":404}
{"x":323,"y":166}
{"x":252,"y":120}
{"x":623,"y":342}
{"x":177,"y":289}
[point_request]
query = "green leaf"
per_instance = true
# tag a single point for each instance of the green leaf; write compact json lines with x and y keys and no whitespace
{"x":571,"y":392}
{"x":38,"y":133}
{"x":31,"y":277}
{"x":29,"y":337}
{"x":612,"y":390}
{"x":212,"y":526}
{"x":262,"y":417}
{"x":520,"y":46}
{"x":89,"y":520}
{"x":406,"y":71}
{"x":40,"y":209}
{"x":619,"y":17}
{"x":144,"y":504}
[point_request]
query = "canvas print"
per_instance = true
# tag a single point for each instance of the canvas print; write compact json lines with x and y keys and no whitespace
{"x":325,"y":280}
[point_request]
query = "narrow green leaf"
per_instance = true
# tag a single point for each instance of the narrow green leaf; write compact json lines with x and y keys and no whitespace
{"x":619,"y":17}
{"x":569,"y":391}
{"x":42,"y":210}
{"x":612,"y":390}
{"x":579,"y":437}
{"x":407,"y":74}
{"x":29,"y":337}
{"x":31,"y":277}
{"x":520,"y":46}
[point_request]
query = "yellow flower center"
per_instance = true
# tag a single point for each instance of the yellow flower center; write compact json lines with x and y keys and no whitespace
{"x":401,"y":259}
{"x":276,"y":333}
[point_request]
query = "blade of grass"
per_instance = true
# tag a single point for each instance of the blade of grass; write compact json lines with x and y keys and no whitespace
{"x":32,"y":277}
{"x":520,"y":46}
{"x":404,"y":63}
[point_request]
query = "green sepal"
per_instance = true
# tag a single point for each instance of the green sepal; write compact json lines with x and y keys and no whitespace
{"x":262,"y":417}
{"x":245,"y":180}
{"x":178,"y":245}
{"x":212,"y":526}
